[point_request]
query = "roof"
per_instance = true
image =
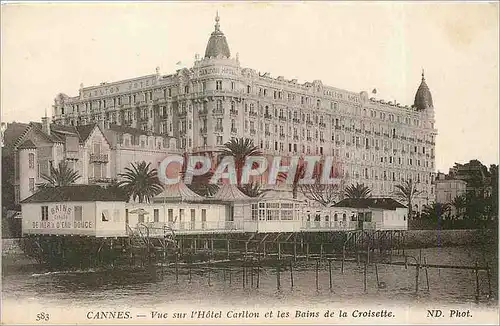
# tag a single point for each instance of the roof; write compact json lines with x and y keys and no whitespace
{"x":28,"y":144}
{"x":217,"y":43}
{"x":229,"y":192}
{"x":127,"y":130}
{"x":177,"y":192}
{"x":13,"y":132}
{"x":79,"y":193}
{"x":380,"y":203}
{"x":85,"y":131}
{"x":423,"y":97}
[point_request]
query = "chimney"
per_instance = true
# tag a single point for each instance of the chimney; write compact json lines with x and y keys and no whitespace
{"x":46,"y":124}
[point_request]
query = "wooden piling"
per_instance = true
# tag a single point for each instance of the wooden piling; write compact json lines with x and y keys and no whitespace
{"x":258,"y":272}
{"x":364,"y":277}
{"x":376,"y":274}
{"x":190,"y":274}
{"x":291,"y":274}
{"x":209,"y":274}
{"x":476,"y":271}
{"x":228,"y":252}
{"x":321,"y":252}
{"x":230,"y":276}
{"x":489,"y":278}
{"x":176,"y":268}
{"x":317,"y":275}
{"x":426,"y":274}
{"x":251,"y":275}
{"x":417,"y":271}
{"x":343,"y":259}
{"x":307,"y":251}
{"x":330,"y":273}
{"x":278,"y":272}
{"x":279,"y":250}
{"x":243,"y":272}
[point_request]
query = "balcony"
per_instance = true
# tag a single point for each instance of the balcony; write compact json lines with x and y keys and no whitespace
{"x":267,"y":133}
{"x":309,"y":138}
{"x":357,"y":131}
{"x":252,"y":113}
{"x":96,"y":180}
{"x":253,"y":131}
{"x":282,"y":118}
{"x":295,"y":137}
{"x":282,"y":136}
{"x":322,"y":125}
{"x":203,"y":112}
{"x":219,"y":129}
{"x":233,"y":112}
{"x":309,"y":122}
{"x":161,"y":229}
{"x":234,"y":130}
{"x":203,"y":130}
{"x":267,"y":116}
{"x":99,"y":158}
{"x":218,"y":111}
{"x":296,"y":120}
{"x":328,"y":225}
{"x":337,"y":127}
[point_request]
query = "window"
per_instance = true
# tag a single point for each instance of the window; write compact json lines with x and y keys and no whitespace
{"x":181,"y":214}
{"x":203,"y":217}
{"x":31,"y":160}
{"x":45,"y":213}
{"x":32,"y":184}
{"x":141,"y":218}
{"x":218,"y":85}
{"x":219,"y":140}
{"x":156,"y":215}
{"x":105,"y":216}
{"x":126,"y":215}
{"x":170,"y":215}
{"x":116,"y":215}
{"x":254,"y":212}
{"x":78,"y":213}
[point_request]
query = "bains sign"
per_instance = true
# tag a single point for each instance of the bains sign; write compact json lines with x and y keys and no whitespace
{"x":62,"y":216}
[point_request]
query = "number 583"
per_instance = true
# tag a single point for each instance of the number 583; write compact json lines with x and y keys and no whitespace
{"x":42,"y":317}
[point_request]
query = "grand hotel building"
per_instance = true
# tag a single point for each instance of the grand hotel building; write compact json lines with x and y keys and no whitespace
{"x":378,"y":143}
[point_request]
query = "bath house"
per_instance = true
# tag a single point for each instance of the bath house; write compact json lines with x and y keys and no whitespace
{"x":94,"y":211}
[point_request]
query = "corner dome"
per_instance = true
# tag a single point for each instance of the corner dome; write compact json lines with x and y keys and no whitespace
{"x":217,"y":44}
{"x":423,"y":97}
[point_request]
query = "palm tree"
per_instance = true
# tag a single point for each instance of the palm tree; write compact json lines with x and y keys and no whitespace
{"x":407,"y":191}
{"x":459,"y":203}
{"x":200,"y":184}
{"x":63,"y":175}
{"x":357,"y":191}
{"x":299,"y":174}
{"x":141,"y":182}
{"x":435,"y":211}
{"x":240,"y":149}
{"x":252,"y":189}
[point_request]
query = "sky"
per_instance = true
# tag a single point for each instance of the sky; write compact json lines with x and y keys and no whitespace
{"x":52,"y":48}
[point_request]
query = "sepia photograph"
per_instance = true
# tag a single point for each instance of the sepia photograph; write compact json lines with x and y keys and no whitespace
{"x":297,"y":162}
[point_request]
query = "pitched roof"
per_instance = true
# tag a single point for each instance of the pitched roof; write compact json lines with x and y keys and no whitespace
{"x":79,"y":193}
{"x":13,"y":132}
{"x":229,"y":192}
{"x":85,"y":131}
{"x":177,"y":192}
{"x":381,"y":203}
{"x":27,"y":144}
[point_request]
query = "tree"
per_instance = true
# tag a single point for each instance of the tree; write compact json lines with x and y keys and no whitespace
{"x":407,"y":191}
{"x":141,"y":182}
{"x":240,"y":149}
{"x":252,"y":189}
{"x":357,"y":191}
{"x":459,"y":203}
{"x":299,"y":174}
{"x":200,"y":184}
{"x":435,"y":211}
{"x":63,"y":175}
{"x":324,"y":194}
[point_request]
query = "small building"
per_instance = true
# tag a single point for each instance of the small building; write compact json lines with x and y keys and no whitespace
{"x":88,"y":210}
{"x":376,"y":213}
{"x":448,"y":188}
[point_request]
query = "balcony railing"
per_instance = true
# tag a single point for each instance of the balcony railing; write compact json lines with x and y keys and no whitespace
{"x":233,"y":112}
{"x":100,"y":158}
{"x":329,"y":225}
{"x":94,"y":180}
{"x":161,"y":229}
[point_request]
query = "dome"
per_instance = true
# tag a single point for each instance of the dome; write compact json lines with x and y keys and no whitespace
{"x":217,"y":44}
{"x":423,"y":97}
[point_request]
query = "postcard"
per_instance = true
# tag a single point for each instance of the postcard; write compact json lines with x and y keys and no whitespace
{"x":249,"y":163}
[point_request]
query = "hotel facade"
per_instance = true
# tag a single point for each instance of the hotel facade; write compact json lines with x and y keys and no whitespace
{"x":377,"y":143}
